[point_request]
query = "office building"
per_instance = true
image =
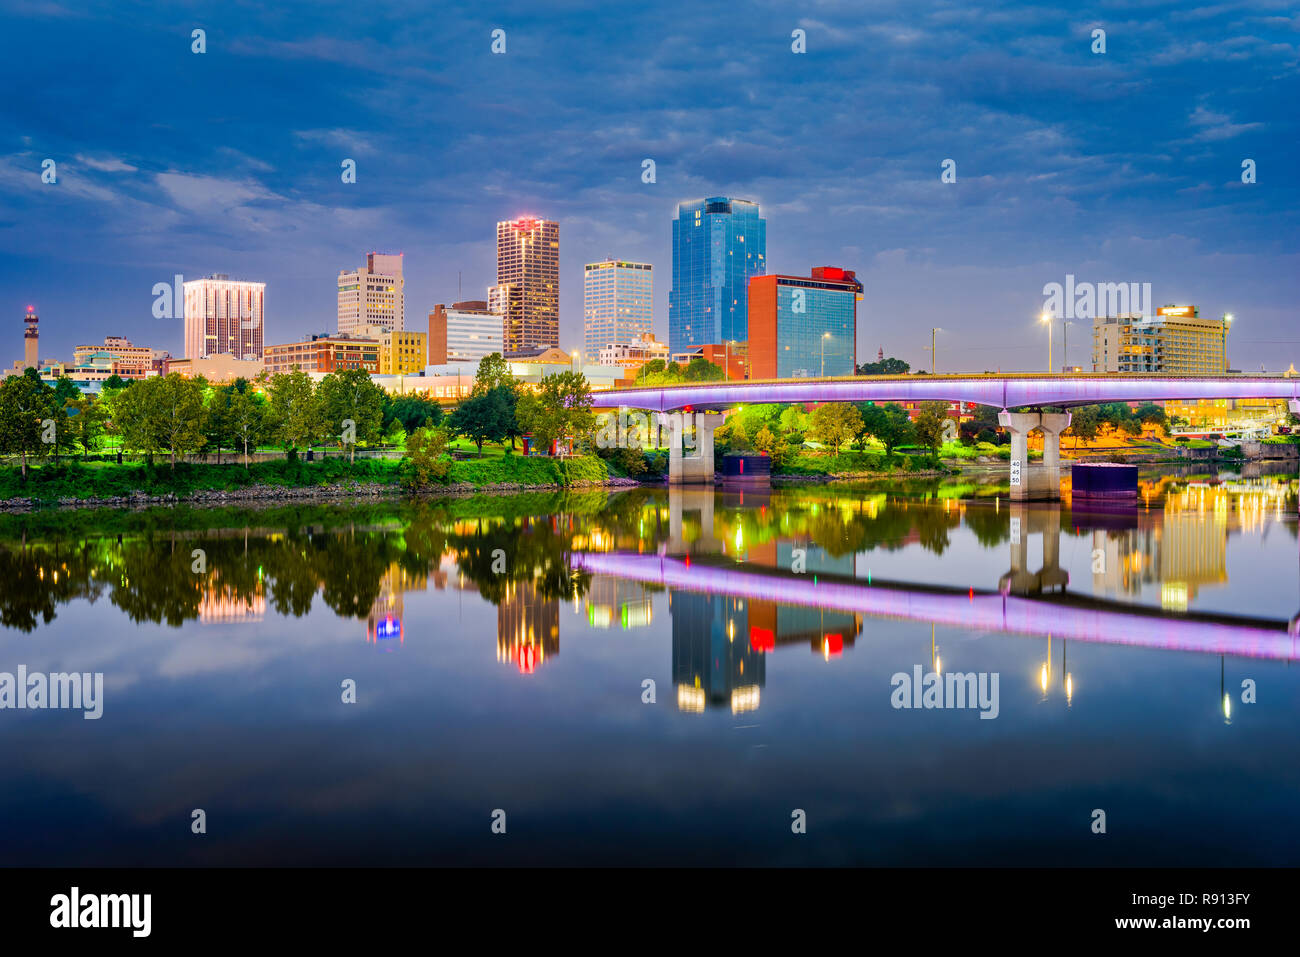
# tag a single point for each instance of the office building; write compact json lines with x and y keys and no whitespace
{"x":1176,"y":341}
{"x":373,"y":295}
{"x":631,"y":355}
{"x":731,"y":357}
{"x":804,"y":325}
{"x":130,"y":361}
{"x":401,"y":353}
{"x":224,"y":316}
{"x":463,"y":332}
{"x":324,"y":353}
{"x":617,"y":303}
{"x":527,"y":291}
{"x":719,"y":245}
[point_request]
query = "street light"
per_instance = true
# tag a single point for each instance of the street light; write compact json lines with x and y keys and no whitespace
{"x":825,"y":336}
{"x":932,"y":332}
{"x":1046,"y":318}
{"x":1065,"y":346}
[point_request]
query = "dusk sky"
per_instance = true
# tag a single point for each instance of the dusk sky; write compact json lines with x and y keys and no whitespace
{"x":1117,"y":167}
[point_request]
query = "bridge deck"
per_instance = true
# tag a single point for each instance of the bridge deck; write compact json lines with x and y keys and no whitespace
{"x":1001,"y":390}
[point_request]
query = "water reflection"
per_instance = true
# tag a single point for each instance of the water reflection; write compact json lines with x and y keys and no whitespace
{"x":777,"y":615}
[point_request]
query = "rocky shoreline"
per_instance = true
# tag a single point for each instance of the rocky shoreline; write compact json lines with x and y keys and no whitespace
{"x":306,"y":493}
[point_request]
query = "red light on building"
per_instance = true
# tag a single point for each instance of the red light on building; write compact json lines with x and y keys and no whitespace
{"x":761,"y":639}
{"x":833,"y":644}
{"x":526,"y":659}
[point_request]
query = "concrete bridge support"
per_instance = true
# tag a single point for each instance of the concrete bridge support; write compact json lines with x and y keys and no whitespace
{"x":694,"y":466}
{"x":1042,"y":483}
{"x":681,"y":501}
{"x":1019,"y":580}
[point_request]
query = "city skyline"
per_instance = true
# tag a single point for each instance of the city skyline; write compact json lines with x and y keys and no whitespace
{"x":843,"y":146}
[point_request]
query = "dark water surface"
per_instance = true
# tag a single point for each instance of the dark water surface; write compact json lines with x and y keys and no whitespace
{"x":500,"y":649}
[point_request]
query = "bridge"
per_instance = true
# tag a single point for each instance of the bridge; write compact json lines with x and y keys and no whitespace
{"x":1021,"y":397}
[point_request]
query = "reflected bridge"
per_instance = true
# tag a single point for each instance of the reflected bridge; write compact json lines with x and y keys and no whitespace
{"x":1062,"y":616}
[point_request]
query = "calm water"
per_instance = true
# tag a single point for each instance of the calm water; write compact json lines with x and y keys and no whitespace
{"x":500,"y":649}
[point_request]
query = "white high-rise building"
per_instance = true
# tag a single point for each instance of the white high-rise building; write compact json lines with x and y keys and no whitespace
{"x":224,"y":316}
{"x":618,"y":304}
{"x":373,"y":295}
{"x":463,"y":332}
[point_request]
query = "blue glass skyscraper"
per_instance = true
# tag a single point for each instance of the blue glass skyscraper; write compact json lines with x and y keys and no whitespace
{"x":718,"y":245}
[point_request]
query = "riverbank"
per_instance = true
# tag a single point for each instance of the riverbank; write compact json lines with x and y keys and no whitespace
{"x":77,"y":485}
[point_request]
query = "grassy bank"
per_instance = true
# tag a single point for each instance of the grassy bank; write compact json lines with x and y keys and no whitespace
{"x":51,"y":483}
{"x":851,"y":462}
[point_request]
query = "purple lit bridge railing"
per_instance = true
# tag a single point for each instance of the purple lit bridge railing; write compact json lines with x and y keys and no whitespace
{"x":1078,"y":619}
{"x":1000,"y":391}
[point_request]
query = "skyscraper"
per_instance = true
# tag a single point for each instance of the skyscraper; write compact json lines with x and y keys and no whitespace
{"x":617,"y":304}
{"x":719,"y":244}
{"x":373,"y":295}
{"x":527,"y":292}
{"x":804,"y":325}
{"x":224,"y":316}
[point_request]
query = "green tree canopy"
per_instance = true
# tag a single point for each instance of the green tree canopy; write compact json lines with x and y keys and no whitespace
{"x":351,"y":408}
{"x":26,"y":403}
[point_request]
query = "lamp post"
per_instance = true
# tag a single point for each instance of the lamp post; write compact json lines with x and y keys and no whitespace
{"x":1046,"y":318}
{"x":1065,"y":344}
{"x":1227,"y":327}
{"x":932,"y":333}
{"x":825,"y":336}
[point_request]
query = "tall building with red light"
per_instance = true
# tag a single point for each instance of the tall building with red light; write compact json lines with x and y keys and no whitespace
{"x":804,"y":325}
{"x":30,"y":339}
{"x":527,"y":292}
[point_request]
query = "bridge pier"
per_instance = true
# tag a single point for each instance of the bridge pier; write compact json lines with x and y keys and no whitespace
{"x":697,"y":467}
{"x":1019,"y":580}
{"x":679,"y":502}
{"x":1044,"y":482}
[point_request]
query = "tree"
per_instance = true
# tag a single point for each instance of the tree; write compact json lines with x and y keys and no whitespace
{"x":87,"y":418}
{"x":131,"y":423}
{"x":888,"y":424}
{"x":411,"y":412}
{"x":294,"y":416}
{"x":835,"y":423}
{"x":425,"y":460}
{"x":765,"y":442}
{"x":493,"y":371}
{"x":176,"y":406}
{"x":1084,"y":424}
{"x":26,"y":403}
{"x":481,"y":418}
{"x":889,"y":366}
{"x":794,"y":421}
{"x":700,"y":369}
{"x":115,"y":381}
{"x":560,"y":408}
{"x":929,"y":424}
{"x":351,"y":408}
{"x":1150,"y":413}
{"x":246,"y":419}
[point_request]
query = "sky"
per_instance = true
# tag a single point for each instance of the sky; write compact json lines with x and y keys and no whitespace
{"x":1122,"y":166}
